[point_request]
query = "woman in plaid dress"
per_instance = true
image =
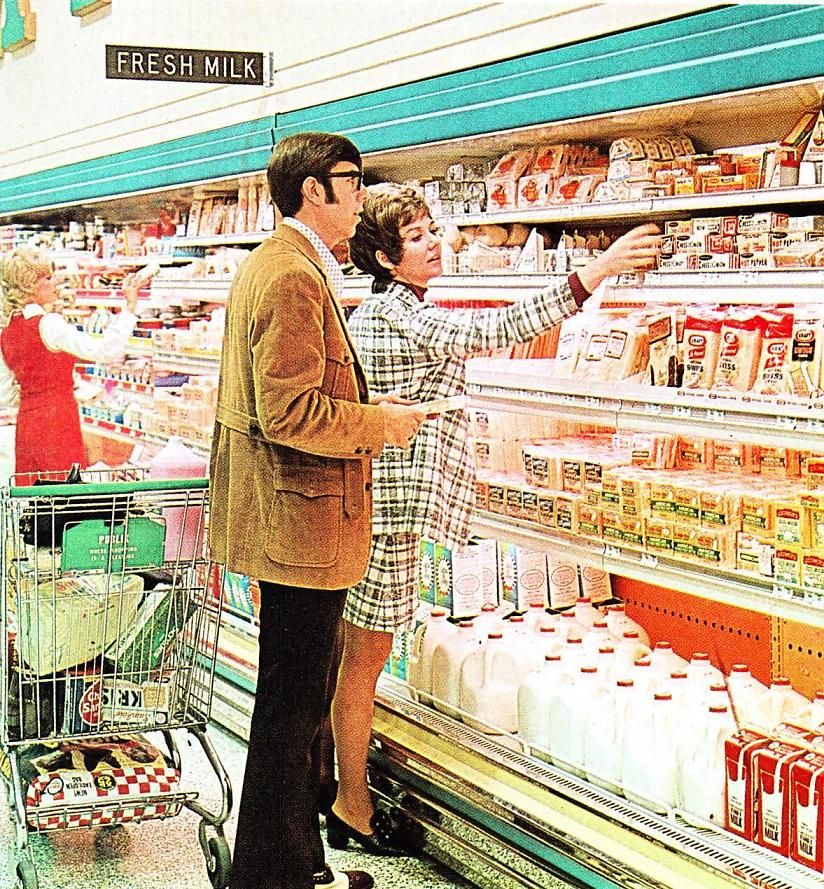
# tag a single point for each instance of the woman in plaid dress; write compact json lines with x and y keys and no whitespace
{"x":412,"y":350}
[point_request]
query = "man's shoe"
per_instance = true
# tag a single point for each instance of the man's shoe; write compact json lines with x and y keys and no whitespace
{"x":346,"y":879}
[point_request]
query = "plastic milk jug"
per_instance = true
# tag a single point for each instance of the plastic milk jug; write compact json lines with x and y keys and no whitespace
{"x":548,"y":641}
{"x":568,"y":626}
{"x":649,"y":761}
{"x":573,"y":655}
{"x":702,"y":770}
{"x":585,"y":612}
{"x":435,"y":628}
{"x":605,"y":737}
{"x":618,"y":622}
{"x":598,"y":635}
{"x":812,"y":717}
{"x":535,"y":696}
{"x":537,"y":616}
{"x":628,"y":651}
{"x":525,"y":645}
{"x":490,"y":676}
{"x":184,"y":523}
{"x":745,"y":692}
{"x":780,"y":703}
{"x":665,"y":661}
{"x":701,"y":673}
{"x":490,"y":620}
{"x":447,"y":660}
{"x":569,"y":717}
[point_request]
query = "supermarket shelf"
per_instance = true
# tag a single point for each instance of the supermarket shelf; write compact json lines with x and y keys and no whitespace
{"x":222,"y":240}
{"x":742,"y":286}
{"x":527,"y":386}
{"x":115,"y":431}
{"x":548,"y":812}
{"x":728,"y":586}
{"x":173,"y":291}
{"x":648,"y":209}
{"x":206,"y":363}
{"x":113,"y":298}
{"x":125,"y":385}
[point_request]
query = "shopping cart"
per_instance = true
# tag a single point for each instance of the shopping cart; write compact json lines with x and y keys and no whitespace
{"x":109,"y":625}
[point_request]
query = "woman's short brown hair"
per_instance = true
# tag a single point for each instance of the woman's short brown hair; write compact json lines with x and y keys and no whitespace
{"x":387,"y":209}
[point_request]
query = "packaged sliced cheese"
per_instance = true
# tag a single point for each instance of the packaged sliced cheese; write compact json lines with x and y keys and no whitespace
{"x":740,"y":349}
{"x":806,"y":351}
{"x":663,"y":348}
{"x":773,"y":375}
{"x":702,"y":341}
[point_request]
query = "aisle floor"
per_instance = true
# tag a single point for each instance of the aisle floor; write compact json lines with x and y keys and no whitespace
{"x":166,"y":854}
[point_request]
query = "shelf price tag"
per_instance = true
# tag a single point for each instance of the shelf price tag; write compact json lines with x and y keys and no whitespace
{"x":592,"y":401}
{"x":785,"y":422}
{"x":716,"y":416}
{"x":612,"y":551}
{"x":682,"y":410}
{"x":653,"y":409}
{"x":649,"y":561}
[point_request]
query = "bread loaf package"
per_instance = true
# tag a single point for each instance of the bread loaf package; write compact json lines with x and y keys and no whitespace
{"x":740,"y":349}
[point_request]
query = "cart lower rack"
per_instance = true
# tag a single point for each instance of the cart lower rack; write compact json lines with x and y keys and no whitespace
{"x":109,"y":621}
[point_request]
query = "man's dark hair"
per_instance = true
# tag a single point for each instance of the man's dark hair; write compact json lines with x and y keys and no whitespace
{"x":301,"y":155}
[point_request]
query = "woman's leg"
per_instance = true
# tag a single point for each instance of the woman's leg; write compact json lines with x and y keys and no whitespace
{"x":364,"y":655}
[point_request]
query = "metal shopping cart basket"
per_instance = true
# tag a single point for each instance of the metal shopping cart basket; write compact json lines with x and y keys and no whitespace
{"x":109,"y":631}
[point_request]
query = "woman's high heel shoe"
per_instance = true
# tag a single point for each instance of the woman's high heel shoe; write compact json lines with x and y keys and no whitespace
{"x":338,"y":834}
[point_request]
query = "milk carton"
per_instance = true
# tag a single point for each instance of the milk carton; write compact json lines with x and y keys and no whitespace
{"x":596,"y":583}
{"x":740,"y":814}
{"x":522,"y":576}
{"x":426,"y":572}
{"x":806,"y":793}
{"x":771,"y":774}
{"x":563,"y":581}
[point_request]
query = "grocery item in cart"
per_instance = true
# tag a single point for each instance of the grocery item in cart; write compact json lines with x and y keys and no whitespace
{"x":129,"y":771}
{"x":66,"y":621}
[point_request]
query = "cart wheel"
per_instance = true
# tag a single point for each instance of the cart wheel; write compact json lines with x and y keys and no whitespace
{"x":112,"y":841}
{"x":26,"y":874}
{"x":219,"y":862}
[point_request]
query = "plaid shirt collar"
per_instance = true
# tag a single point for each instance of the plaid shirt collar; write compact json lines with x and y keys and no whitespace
{"x":330,"y":264}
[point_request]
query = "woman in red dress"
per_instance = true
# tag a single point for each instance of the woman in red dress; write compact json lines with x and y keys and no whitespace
{"x":38,"y":351}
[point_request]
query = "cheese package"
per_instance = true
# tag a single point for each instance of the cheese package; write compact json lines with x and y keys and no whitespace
{"x":534,"y":190}
{"x":702,"y":341}
{"x":663,"y":348}
{"x":740,"y":350}
{"x":806,"y":351}
{"x":773,"y":374}
{"x":616,"y":348}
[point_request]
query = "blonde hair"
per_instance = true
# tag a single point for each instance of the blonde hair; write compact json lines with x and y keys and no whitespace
{"x":19,"y":273}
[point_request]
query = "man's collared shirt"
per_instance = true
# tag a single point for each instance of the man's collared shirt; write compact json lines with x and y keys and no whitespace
{"x":330,"y":264}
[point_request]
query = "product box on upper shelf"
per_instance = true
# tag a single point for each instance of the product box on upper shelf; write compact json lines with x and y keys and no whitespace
{"x":426,"y":572}
{"x":522,"y":576}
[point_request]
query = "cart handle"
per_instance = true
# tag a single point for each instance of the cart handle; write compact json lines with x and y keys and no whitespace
{"x":78,"y":490}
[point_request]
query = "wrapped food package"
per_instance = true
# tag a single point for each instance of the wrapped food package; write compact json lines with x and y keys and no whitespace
{"x":807,"y":351}
{"x":702,"y":341}
{"x":773,"y":373}
{"x":740,"y":350}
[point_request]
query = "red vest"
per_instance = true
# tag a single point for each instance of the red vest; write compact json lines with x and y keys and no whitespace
{"x":48,"y":436}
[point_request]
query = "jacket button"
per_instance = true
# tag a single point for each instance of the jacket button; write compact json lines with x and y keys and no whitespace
{"x":358,"y":450}
{"x":368,"y":486}
{"x":367,"y":450}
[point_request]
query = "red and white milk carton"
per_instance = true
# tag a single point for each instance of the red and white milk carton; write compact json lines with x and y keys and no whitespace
{"x":741,"y":811}
{"x":807,"y":810}
{"x":771,"y":776}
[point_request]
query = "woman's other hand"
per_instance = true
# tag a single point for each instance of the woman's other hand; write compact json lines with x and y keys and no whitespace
{"x":130,"y":287}
{"x":636,"y":251}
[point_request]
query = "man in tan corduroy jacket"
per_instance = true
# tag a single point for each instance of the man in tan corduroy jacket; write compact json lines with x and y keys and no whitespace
{"x":291,"y":493}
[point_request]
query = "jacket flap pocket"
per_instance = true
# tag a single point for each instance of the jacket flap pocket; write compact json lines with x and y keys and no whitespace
{"x":309,"y":481}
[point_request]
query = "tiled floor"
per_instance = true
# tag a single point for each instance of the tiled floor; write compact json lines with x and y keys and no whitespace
{"x":166,"y":855}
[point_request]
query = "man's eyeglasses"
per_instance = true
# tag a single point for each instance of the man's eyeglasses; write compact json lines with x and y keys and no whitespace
{"x":356,"y":176}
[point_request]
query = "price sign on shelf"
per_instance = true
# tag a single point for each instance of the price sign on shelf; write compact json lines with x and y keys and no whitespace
{"x":614,"y":552}
{"x":653,"y":409}
{"x":716,"y":416}
{"x":682,"y":410}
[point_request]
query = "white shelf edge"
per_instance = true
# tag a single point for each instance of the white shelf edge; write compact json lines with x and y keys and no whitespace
{"x":221,"y":240}
{"x":649,"y":208}
{"x":736,"y":589}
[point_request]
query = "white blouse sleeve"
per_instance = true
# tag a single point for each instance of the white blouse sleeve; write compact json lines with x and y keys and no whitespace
{"x":9,"y":390}
{"x":60,"y":336}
